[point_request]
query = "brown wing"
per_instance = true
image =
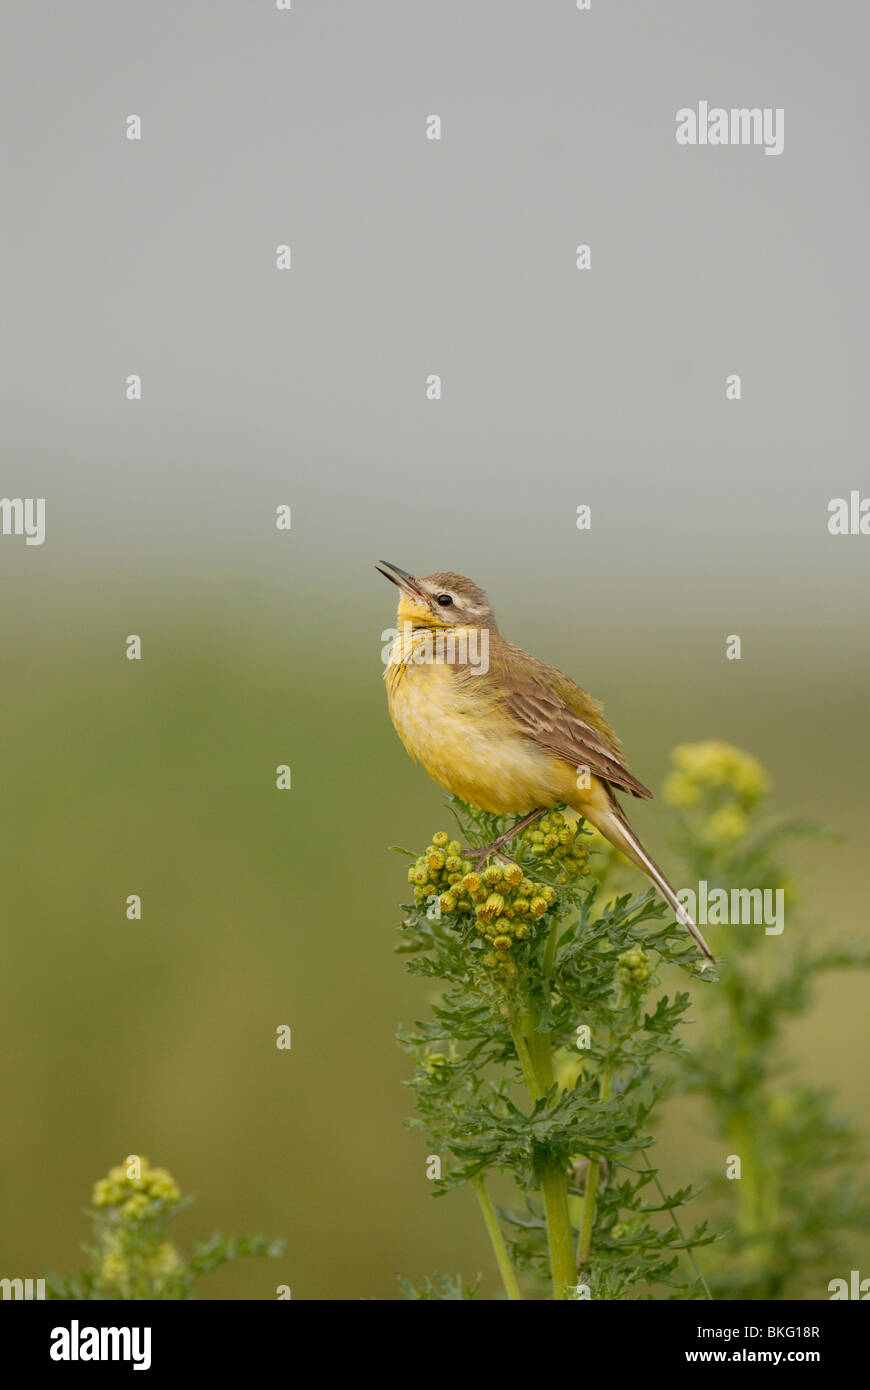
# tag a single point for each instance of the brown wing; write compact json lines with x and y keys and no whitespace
{"x":545,"y":717}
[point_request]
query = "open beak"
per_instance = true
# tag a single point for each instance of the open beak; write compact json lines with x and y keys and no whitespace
{"x":406,"y":582}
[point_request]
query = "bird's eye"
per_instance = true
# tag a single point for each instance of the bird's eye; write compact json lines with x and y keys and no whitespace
{"x":445,"y":600}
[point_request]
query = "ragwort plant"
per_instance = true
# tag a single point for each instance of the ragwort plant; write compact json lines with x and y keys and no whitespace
{"x":799,"y":1201}
{"x":132,"y":1256}
{"x":542,"y":1060}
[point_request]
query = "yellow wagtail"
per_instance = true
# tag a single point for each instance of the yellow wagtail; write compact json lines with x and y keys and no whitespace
{"x":503,"y":731}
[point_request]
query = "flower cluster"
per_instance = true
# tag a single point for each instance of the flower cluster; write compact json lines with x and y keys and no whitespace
{"x":714,"y":766}
{"x":552,"y":838}
{"x":133,"y":1196}
{"x":719,"y":780}
{"x":503,"y":901}
{"x":439,"y":872}
{"x":633,"y":969}
{"x":131,"y":1256}
{"x":506,"y":904}
{"x":132,"y":1206}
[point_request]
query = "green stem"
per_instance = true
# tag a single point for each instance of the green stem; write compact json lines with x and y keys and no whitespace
{"x":536,"y":1059}
{"x":584,"y":1240}
{"x":540,"y":1054}
{"x":590,"y":1199}
{"x":751,"y":1202}
{"x":502,"y":1258}
{"x":524,"y":1053}
{"x":554,"y":1184}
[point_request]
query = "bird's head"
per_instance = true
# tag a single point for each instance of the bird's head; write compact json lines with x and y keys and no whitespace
{"x":439,"y":600}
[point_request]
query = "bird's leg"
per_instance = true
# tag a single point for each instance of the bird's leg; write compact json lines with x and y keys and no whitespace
{"x":503,"y":839}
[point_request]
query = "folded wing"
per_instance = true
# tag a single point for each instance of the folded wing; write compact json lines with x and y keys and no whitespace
{"x":543,"y":716}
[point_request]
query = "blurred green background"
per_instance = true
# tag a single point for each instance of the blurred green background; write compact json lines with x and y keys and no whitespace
{"x":263,"y":907}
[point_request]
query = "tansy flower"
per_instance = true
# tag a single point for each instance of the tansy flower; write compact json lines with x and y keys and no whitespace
{"x":710,"y":767}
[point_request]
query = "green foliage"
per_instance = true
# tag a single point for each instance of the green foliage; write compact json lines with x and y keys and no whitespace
{"x":440,"y":1288}
{"x":132,"y":1257}
{"x":569,"y":1020}
{"x":797,"y":1204}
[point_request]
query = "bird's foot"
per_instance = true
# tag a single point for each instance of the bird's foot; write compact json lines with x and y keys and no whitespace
{"x":477,"y":856}
{"x":488,"y":850}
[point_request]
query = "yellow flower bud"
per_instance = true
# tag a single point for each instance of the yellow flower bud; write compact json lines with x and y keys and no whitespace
{"x":492,"y":908}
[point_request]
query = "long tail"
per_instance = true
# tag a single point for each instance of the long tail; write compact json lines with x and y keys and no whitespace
{"x":616,"y":829}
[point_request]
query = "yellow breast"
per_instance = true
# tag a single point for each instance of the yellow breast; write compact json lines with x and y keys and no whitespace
{"x":452,"y":722}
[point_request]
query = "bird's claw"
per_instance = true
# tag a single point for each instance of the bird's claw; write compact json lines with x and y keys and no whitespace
{"x":488,"y":852}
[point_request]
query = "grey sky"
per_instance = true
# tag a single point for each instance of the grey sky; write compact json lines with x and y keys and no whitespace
{"x":456,"y":257}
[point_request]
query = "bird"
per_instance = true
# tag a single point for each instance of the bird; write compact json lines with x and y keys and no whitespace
{"x":500,"y":729}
